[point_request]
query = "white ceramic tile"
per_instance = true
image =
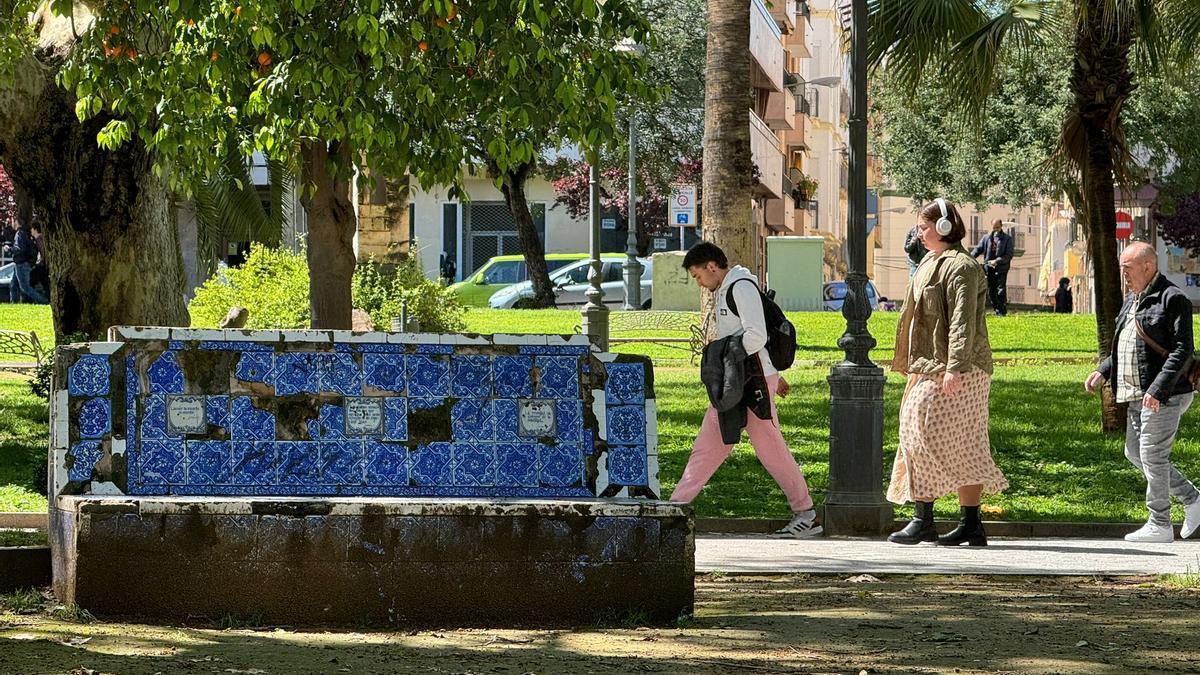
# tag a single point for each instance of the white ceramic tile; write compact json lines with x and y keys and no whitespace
{"x":651,"y":427}
{"x":570,"y":340}
{"x":602,"y":474}
{"x":322,"y":336}
{"x":118,"y":446}
{"x":600,"y":410}
{"x":104,"y":348}
{"x":106,"y":488}
{"x":245,"y":335}
{"x":518,"y":339}
{"x":405,"y":338}
{"x":198,"y":334}
{"x":61,"y":433}
{"x":119,"y":333}
{"x":459,"y":340}
{"x":606,"y":357}
{"x":368,"y":337}
{"x":61,"y":475}
{"x":652,"y":473}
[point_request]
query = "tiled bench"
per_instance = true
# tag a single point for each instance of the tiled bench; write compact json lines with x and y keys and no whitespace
{"x":242,"y":438}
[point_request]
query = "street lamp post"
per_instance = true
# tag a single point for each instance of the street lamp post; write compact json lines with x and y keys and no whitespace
{"x":595,"y":314}
{"x":633,"y":268}
{"x":855,"y":504}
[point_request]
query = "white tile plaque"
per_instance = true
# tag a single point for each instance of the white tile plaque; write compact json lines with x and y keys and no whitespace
{"x":186,"y":415}
{"x":364,"y":416}
{"x":535,"y":418}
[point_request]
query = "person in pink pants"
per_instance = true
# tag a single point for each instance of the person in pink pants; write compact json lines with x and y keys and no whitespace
{"x":708,"y":265}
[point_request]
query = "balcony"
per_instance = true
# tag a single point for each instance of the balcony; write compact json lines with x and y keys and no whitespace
{"x":795,"y":138}
{"x":784,"y":13}
{"x":797,"y":40}
{"x":766,"y":49}
{"x":780,"y":114}
{"x":781,"y":215}
{"x":765,"y":152}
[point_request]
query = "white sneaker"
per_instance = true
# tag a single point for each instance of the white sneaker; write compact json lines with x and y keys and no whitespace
{"x":1152,"y":533}
{"x":803,"y":525}
{"x":1191,"y":520}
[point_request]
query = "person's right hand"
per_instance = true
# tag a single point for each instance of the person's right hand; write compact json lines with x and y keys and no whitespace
{"x":1094,"y":381}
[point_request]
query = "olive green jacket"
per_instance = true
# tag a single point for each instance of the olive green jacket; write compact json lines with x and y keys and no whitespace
{"x":943,"y":325}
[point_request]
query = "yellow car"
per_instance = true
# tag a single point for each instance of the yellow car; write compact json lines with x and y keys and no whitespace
{"x":503,"y":271}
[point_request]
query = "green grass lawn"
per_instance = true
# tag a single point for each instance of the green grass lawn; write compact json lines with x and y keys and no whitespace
{"x":1045,"y":430}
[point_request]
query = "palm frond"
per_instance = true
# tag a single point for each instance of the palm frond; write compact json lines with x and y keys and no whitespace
{"x":1180,"y":21}
{"x":906,"y":37}
{"x":1017,"y":31}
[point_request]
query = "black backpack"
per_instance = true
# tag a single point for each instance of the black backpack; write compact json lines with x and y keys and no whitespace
{"x":781,"y":334}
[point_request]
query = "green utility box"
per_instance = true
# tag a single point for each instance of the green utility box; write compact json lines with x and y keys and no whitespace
{"x":795,"y":272}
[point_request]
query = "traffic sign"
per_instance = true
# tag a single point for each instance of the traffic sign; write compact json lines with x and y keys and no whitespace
{"x":683,"y":205}
{"x":1124,"y":225}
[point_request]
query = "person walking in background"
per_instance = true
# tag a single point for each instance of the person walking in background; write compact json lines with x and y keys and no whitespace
{"x":24,"y":256}
{"x":1064,"y":303}
{"x":997,"y":251}
{"x":942,"y":346}
{"x":914,"y":249}
{"x":39,"y":276}
{"x":741,"y":338}
{"x":1151,"y":350}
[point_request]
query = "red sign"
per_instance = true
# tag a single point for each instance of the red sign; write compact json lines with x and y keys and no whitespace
{"x":1124,"y":225}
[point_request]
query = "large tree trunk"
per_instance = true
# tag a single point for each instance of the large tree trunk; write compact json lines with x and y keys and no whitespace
{"x":112,"y":246}
{"x":1100,"y":82}
{"x":727,"y":164}
{"x":513,"y":187}
{"x":331,"y":226}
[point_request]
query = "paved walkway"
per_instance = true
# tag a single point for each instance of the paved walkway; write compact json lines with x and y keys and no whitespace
{"x":758,"y":554}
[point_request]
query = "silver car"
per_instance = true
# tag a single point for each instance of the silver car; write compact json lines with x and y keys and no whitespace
{"x":571,"y":284}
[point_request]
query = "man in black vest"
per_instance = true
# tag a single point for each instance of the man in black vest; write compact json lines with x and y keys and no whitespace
{"x":997,"y":251}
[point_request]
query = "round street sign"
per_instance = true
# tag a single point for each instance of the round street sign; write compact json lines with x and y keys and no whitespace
{"x":1124,"y":225}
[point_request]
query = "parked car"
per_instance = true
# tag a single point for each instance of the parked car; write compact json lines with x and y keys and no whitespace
{"x":835,"y":295}
{"x":502,"y":271}
{"x":571,"y":284}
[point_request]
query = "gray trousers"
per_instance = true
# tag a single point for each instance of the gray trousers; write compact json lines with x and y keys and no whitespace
{"x":1148,"y":440}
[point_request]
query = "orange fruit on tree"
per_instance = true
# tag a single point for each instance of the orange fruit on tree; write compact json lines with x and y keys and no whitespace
{"x":422,"y":45}
{"x":214,"y":56}
{"x":264,"y":59}
{"x":441,"y":23}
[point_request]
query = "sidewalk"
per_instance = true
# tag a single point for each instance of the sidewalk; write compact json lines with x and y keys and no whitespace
{"x":759,"y":554}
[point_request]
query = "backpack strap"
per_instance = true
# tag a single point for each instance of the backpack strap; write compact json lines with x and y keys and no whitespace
{"x":1146,"y":338}
{"x":730,"y":302}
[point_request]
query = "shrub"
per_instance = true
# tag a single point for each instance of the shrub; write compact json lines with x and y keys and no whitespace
{"x":381,"y":290}
{"x":272,"y":285}
{"x":39,"y":384}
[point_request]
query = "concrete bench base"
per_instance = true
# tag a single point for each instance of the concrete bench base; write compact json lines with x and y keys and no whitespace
{"x":404,"y":561}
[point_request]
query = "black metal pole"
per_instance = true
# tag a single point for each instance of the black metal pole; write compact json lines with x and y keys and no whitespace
{"x":855,"y":503}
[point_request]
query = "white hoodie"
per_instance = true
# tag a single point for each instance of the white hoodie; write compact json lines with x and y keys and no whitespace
{"x":751,"y":323}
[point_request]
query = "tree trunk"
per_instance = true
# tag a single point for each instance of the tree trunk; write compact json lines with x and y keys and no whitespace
{"x":1101,"y":81}
{"x":112,"y":246}
{"x":727,"y":164}
{"x":513,"y":187}
{"x":331,"y":225}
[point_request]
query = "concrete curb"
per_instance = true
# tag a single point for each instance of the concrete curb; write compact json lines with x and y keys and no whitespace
{"x":994,"y":528}
{"x":17,"y":520}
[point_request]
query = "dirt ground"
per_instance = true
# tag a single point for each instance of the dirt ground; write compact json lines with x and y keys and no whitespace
{"x":795,"y":624}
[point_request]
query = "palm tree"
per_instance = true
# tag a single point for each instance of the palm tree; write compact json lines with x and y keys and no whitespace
{"x":966,"y":40}
{"x":728,"y":171}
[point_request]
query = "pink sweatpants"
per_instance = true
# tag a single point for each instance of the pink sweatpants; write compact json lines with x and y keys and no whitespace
{"x":709,"y":451}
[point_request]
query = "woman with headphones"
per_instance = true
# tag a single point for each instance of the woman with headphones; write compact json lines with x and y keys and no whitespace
{"x":942,"y":346}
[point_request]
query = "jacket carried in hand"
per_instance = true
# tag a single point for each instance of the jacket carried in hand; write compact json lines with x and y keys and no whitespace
{"x":999,"y":249}
{"x":1165,"y":314}
{"x":943,"y":325}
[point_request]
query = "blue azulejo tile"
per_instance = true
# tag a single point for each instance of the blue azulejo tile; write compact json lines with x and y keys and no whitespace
{"x":89,"y":376}
{"x":165,"y":375}
{"x":255,"y":367}
{"x":627,"y":465}
{"x":569,"y":420}
{"x":249,"y":423}
{"x":560,"y":466}
{"x":395,"y":419}
{"x":299,"y":463}
{"x":95,"y":418}
{"x":384,"y":371}
{"x":154,"y":419}
{"x":430,"y":464}
{"x":626,"y":383}
{"x":342,"y":374}
{"x":626,"y":425}
{"x":208,"y":463}
{"x":428,"y":376}
{"x":435,"y":349}
{"x":297,"y":372}
{"x":474,"y":464}
{"x":517,"y":464}
{"x":507,"y":425}
{"x":131,"y":379}
{"x":329,"y":425}
{"x":218,"y":410}
{"x":162,"y":463}
{"x":254,"y":463}
{"x":177,"y":345}
{"x":513,"y":376}
{"x":472,"y":376}
{"x":558,"y":376}
{"x":424,"y":403}
{"x":342,"y":463}
{"x":387,"y":464}
{"x":83,"y":459}
{"x":472,"y":420}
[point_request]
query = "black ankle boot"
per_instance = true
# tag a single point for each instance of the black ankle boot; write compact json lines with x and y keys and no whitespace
{"x":919,"y":529}
{"x":969,"y":530}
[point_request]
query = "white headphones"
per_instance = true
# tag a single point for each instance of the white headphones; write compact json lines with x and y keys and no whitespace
{"x":943,"y":225}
